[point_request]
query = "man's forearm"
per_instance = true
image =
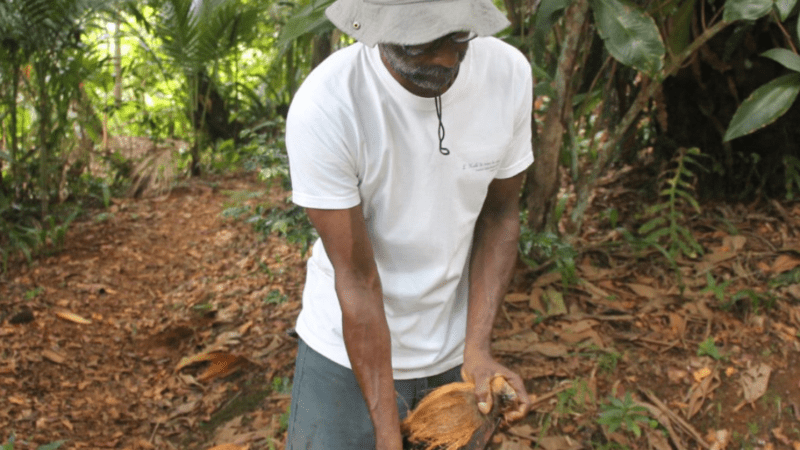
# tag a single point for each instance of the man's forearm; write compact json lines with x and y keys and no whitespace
{"x":368,"y":343}
{"x":491,"y":266}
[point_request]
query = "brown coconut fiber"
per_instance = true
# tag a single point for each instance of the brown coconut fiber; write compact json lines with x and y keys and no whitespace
{"x":447,"y":419}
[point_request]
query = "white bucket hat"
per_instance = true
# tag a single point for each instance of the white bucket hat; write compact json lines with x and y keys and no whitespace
{"x":412,"y":22}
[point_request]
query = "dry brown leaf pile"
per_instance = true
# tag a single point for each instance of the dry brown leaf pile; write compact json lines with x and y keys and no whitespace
{"x":157,"y":327}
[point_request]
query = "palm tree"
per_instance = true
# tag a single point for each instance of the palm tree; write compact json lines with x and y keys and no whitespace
{"x":196,"y":36}
{"x":44,"y":35}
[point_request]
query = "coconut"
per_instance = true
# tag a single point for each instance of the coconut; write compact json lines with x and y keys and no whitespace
{"x":448,"y":418}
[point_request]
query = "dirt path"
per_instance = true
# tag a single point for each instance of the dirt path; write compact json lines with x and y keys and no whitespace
{"x":163,"y":325}
{"x":137,"y":288}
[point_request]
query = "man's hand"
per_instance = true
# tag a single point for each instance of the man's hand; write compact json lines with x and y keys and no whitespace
{"x":483,"y":371}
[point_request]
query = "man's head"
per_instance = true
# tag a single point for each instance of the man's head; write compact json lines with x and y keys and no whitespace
{"x":422,"y":42}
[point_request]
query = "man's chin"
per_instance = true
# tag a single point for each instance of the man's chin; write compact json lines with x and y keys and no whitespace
{"x":438,"y":86}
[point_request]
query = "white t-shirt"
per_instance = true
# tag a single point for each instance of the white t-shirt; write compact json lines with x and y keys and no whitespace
{"x":355,"y":135}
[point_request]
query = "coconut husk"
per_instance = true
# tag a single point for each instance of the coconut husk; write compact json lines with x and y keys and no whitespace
{"x":449,"y":419}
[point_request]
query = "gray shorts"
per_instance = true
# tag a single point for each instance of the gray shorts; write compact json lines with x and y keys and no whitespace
{"x":328,"y":411}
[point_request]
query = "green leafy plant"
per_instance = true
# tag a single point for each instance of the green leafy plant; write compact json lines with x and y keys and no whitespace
{"x":667,"y":219}
{"x":275,"y":297}
{"x":618,"y":413}
{"x":607,"y":361}
{"x":750,"y":301}
{"x":785,"y":279}
{"x":9,"y":445}
{"x":770,"y":101}
{"x":548,"y":246}
{"x":708,"y":348}
{"x":282,"y":385}
{"x":717,"y":289}
{"x":289,"y":222}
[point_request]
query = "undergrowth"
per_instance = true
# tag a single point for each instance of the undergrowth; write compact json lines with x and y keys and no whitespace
{"x":9,"y":445}
{"x":665,"y":228}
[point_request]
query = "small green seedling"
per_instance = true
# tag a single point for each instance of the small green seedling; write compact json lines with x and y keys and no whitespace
{"x":625,"y":412}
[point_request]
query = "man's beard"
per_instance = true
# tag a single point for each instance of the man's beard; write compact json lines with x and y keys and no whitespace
{"x":430,"y":78}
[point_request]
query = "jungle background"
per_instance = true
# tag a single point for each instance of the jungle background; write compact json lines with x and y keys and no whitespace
{"x":152,"y":261}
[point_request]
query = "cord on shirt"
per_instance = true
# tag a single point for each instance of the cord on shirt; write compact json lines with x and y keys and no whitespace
{"x":438,"y":102}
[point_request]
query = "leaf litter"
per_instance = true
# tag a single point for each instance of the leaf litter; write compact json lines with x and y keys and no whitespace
{"x":157,"y":328}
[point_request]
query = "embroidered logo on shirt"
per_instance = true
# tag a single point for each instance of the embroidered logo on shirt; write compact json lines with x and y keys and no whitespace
{"x":481,"y":166}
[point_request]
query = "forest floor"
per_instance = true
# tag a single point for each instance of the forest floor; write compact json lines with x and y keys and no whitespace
{"x":163,"y":324}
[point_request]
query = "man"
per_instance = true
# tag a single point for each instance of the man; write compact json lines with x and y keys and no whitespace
{"x":408,"y":156}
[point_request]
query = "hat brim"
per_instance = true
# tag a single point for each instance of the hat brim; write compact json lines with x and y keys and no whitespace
{"x":414,"y":22}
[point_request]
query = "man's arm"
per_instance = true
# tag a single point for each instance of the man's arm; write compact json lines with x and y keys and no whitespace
{"x":494,"y":253}
{"x":366,"y":332}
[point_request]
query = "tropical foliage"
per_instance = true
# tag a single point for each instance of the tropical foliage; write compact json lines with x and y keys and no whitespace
{"x":205,"y":84}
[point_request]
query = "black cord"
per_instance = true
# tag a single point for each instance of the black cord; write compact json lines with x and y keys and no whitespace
{"x":438,"y":102}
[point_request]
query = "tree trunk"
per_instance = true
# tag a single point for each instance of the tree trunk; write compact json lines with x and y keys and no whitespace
{"x":117,"y":65}
{"x":45,"y":116}
{"x":14,"y":138}
{"x":542,"y":179}
{"x":322,"y":49}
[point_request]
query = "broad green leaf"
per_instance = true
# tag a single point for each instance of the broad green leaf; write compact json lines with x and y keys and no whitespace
{"x":784,"y":8}
{"x":680,"y":31}
{"x":630,"y":35}
{"x":787,"y":58}
{"x":310,"y":19}
{"x":764,"y":106}
{"x":548,"y":12}
{"x":746,"y":9}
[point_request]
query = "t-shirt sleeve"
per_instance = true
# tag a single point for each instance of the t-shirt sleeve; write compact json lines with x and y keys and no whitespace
{"x":321,"y":161}
{"x":520,"y":151}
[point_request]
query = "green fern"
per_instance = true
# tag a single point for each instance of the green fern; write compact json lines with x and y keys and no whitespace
{"x":666,"y":227}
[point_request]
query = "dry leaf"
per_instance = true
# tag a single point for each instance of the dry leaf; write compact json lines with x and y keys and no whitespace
{"x":700,"y":392}
{"x":755,"y":381}
{"x":194,"y":359}
{"x":517,"y":297}
{"x":185,"y":408}
{"x":734,"y":243}
{"x":222,"y":365}
{"x":718,"y":256}
{"x":785,"y":263}
{"x":778,"y":433}
{"x":512,"y":445}
{"x":547,"y":279}
{"x":229,"y":447}
{"x":54,"y":356}
{"x":523,"y":430}
{"x":72,"y":317}
{"x":721,"y":440}
{"x":676,"y":376}
{"x":656,"y":439}
{"x":699,"y":375}
{"x":550,"y":349}
{"x":558,"y":443}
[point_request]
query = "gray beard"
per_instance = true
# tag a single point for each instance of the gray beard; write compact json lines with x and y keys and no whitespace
{"x":431,"y":78}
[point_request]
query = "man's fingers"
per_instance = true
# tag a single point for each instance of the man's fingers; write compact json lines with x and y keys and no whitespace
{"x":515,"y":415}
{"x":483,"y":392}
